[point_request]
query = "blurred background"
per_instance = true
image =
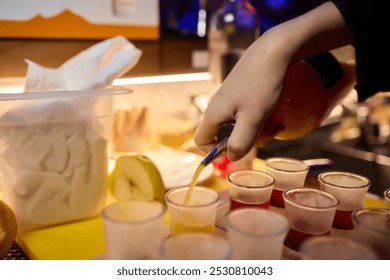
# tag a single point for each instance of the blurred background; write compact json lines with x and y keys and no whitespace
{"x":179,"y":46}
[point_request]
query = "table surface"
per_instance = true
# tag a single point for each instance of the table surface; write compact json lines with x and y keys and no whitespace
{"x":83,"y":240}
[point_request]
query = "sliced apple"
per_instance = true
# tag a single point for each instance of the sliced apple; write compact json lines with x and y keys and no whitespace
{"x":8,"y":229}
{"x":136,"y":177}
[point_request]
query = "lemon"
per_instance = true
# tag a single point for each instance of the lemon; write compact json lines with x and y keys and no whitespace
{"x":8,"y":229}
{"x":136,"y":177}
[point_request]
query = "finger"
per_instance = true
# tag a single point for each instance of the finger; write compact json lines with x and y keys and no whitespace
{"x":204,"y":136}
{"x":243,"y":137}
{"x":206,"y":131}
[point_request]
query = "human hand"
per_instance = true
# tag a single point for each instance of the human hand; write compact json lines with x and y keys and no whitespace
{"x":252,"y":89}
{"x":246,"y":97}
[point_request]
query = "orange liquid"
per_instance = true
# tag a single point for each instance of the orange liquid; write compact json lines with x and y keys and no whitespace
{"x":304,"y":102}
{"x":193,"y":182}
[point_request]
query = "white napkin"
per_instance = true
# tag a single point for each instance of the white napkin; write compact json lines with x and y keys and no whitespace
{"x":53,"y":172}
{"x":95,"y":67}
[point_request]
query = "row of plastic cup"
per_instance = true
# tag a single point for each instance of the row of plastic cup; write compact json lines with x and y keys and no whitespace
{"x":284,"y":173}
{"x":253,"y":232}
{"x":312,"y":212}
{"x":261,"y":189}
{"x":256,"y":233}
{"x":133,"y":231}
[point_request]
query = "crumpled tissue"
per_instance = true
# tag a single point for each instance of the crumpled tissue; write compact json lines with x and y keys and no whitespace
{"x":95,"y":67}
{"x":55,"y":170}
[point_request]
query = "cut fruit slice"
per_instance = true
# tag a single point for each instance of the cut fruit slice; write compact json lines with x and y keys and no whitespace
{"x":8,"y":229}
{"x":136,"y":177}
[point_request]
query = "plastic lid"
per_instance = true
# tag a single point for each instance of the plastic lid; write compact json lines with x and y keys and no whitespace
{"x":64,"y":94}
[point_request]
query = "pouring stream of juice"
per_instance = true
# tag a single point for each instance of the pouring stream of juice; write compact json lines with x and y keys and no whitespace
{"x":223,"y":134}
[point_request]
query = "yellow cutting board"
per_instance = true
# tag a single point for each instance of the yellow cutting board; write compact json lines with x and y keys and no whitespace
{"x":81,"y":240}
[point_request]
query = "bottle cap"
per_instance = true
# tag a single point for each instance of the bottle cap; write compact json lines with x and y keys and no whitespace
{"x":223,"y":134}
{"x":224,"y":131}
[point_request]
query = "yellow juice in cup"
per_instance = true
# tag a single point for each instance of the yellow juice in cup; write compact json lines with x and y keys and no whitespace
{"x":177,"y":227}
{"x":196,"y":216}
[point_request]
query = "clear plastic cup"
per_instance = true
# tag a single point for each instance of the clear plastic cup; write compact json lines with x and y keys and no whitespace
{"x":133,"y":229}
{"x":372,"y":227}
{"x":195,"y":246}
{"x":256,"y":233}
{"x":350,"y":189}
{"x":288,"y":173}
{"x":310,"y":212}
{"x":250,"y":188}
{"x":198,"y":215}
{"x":335,"y":248}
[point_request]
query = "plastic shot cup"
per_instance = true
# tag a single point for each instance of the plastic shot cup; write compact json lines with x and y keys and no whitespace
{"x":386,"y":195}
{"x":198,"y":215}
{"x":250,"y":188}
{"x":288,"y":173}
{"x":310,"y":212}
{"x":335,"y":248}
{"x":133,"y":229}
{"x":350,"y":189}
{"x":195,"y":246}
{"x":256,"y":233}
{"x":372,"y":227}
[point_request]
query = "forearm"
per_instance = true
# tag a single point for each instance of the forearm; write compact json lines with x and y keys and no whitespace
{"x":319,"y":30}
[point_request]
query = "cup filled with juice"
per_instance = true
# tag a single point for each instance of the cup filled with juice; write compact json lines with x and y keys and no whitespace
{"x":310,"y":212}
{"x":288,"y":173}
{"x":250,"y":188}
{"x":350,"y":190}
{"x":194,"y":213}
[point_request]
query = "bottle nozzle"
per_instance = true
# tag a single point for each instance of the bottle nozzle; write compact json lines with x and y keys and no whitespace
{"x":223,"y":134}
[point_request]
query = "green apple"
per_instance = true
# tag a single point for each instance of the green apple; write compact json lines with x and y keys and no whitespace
{"x":136,"y":177}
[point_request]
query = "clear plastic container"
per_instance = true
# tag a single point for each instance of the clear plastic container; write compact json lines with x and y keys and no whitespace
{"x":54,"y":154}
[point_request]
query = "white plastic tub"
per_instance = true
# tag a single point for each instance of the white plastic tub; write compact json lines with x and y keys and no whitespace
{"x":54,"y":154}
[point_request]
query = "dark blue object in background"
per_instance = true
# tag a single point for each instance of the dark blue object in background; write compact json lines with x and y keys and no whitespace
{"x":274,"y":12}
{"x":181,"y":16}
